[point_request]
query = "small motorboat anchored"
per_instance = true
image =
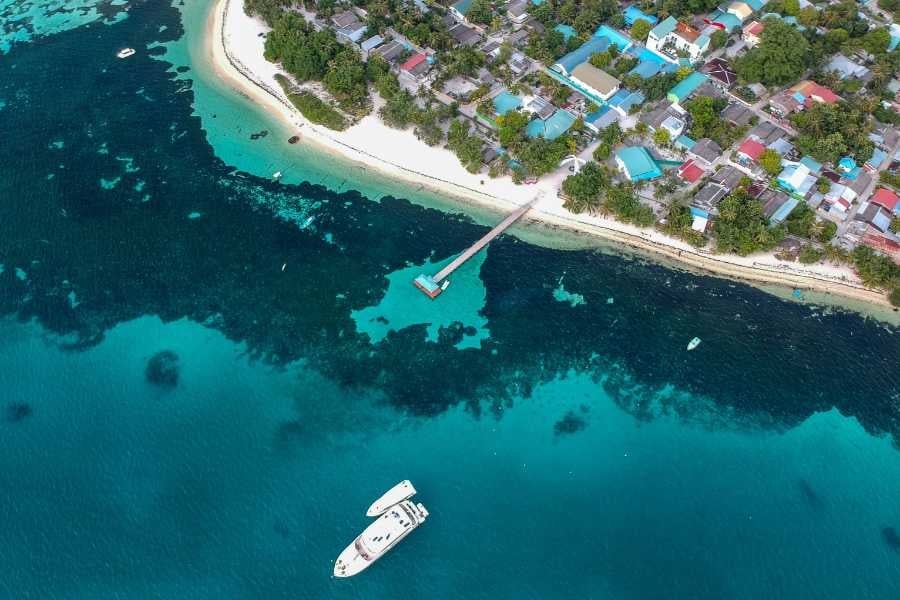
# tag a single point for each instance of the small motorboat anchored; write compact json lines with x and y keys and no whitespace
{"x":397,"y":494}
{"x":276,"y":175}
{"x":397,"y":517}
{"x":693,"y":343}
{"x":125,"y":52}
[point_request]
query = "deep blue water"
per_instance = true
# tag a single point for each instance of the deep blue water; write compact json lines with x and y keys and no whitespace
{"x":564,"y":442}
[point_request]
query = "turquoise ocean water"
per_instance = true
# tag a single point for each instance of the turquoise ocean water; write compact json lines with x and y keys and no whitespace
{"x":563,"y":441}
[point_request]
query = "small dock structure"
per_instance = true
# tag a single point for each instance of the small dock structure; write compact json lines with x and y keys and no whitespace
{"x":433,"y":285}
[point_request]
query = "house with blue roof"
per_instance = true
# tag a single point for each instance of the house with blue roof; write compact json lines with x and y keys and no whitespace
{"x":370,"y":44}
{"x":567,"y":63}
{"x":637,"y":163}
{"x":505,"y":102}
{"x":616,"y":38}
{"x":783,"y":211}
{"x":551,"y":128}
{"x":756,"y":4}
{"x":797,"y":179}
{"x":459,"y":9}
{"x":878,"y":157}
{"x":814,"y":166}
{"x":646,"y":69}
{"x":683,"y":141}
{"x":725,"y":21}
{"x":600,"y":119}
{"x":567,"y":31}
{"x":633,"y":13}
{"x":686,"y":87}
{"x":624,"y":101}
{"x":848,"y":168}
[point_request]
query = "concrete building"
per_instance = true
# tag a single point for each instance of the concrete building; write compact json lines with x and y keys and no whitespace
{"x":596,"y":81}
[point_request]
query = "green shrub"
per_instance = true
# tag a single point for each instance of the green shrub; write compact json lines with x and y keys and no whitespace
{"x":318,"y":111}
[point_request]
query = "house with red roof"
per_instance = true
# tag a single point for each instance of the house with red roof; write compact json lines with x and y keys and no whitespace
{"x":886,"y":198}
{"x":803,"y":95}
{"x":690,"y":171}
{"x":750,"y":150}
{"x":416,"y":67}
{"x":752,"y":32}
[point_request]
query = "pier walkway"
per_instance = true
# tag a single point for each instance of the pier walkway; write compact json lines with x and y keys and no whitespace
{"x":431,"y":285}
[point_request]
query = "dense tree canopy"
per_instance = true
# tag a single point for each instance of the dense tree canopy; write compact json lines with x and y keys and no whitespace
{"x":876,"y":270}
{"x":780,"y":58}
{"x":511,"y":129}
{"x":468,"y":148}
{"x":269,"y":10}
{"x":706,"y":122}
{"x":541,"y":156}
{"x":480,"y":11}
{"x":583,"y":189}
{"x":302,"y":51}
{"x":621,"y":202}
{"x":741,"y":227}
{"x":308,"y":55}
{"x":829,"y":131}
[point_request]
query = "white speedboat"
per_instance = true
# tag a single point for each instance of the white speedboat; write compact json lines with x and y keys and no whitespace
{"x":125,"y":52}
{"x":276,"y":175}
{"x":397,"y":494}
{"x":394,"y":524}
{"x":693,"y":343}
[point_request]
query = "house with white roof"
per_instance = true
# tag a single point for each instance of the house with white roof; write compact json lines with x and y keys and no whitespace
{"x":671,"y":37}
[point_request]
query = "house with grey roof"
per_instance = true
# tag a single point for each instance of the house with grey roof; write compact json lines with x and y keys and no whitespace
{"x":846,"y":68}
{"x":659,"y":114}
{"x":737,"y":114}
{"x":464,"y":35}
{"x":706,"y":150}
{"x":517,"y":11}
{"x":709,"y":196}
{"x":767,"y":132}
{"x":391,"y":51}
{"x":518,"y":38}
{"x":728,"y":177}
{"x":875,"y":215}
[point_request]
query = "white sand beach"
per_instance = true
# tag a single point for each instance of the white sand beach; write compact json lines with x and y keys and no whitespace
{"x":236,"y":51}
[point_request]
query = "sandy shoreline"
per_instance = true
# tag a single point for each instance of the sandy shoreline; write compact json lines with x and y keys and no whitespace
{"x":235,"y":51}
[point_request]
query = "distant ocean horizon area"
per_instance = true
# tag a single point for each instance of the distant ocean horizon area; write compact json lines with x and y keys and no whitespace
{"x":209,"y":375}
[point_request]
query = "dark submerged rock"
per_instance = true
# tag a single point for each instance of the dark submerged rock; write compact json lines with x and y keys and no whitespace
{"x":162,"y":369}
{"x":570,"y":423}
{"x":17,"y":412}
{"x":891,"y":538}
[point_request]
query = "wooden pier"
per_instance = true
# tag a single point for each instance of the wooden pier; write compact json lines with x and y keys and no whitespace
{"x":430,"y":285}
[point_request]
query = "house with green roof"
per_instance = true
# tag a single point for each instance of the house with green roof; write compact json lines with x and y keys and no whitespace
{"x":687,"y":86}
{"x":637,"y":163}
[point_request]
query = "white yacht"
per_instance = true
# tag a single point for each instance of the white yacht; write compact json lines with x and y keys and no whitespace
{"x":394,"y":523}
{"x":125,"y":52}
